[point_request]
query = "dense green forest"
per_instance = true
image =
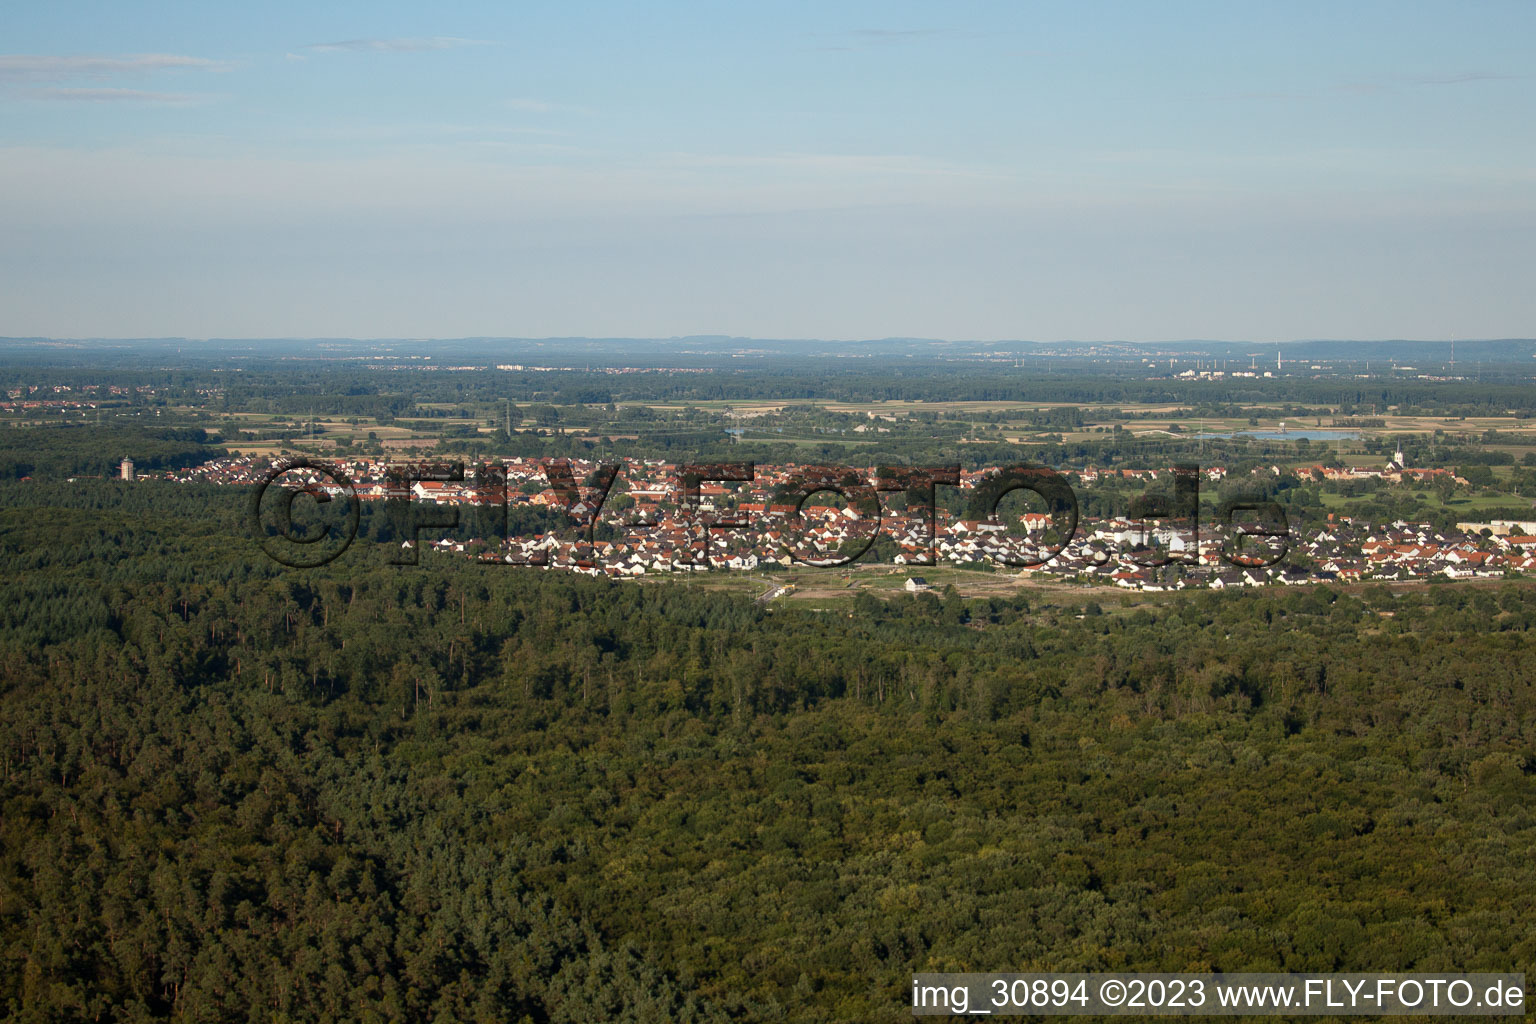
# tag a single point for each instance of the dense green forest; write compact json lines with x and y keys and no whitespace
{"x":474,"y":793}
{"x":80,"y":450}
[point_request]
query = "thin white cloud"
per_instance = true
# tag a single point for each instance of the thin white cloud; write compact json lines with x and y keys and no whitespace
{"x":177,"y":99}
{"x":45,"y":67}
{"x":1452,"y":78}
{"x":407,"y":45}
{"x":125,"y":185}
{"x":861,"y":38}
{"x":406,"y":131}
{"x":888,"y":35}
{"x":1468,"y":76}
{"x":529,"y":105}
{"x":857,"y":165}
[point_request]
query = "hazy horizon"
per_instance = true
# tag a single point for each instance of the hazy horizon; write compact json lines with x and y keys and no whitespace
{"x":868,"y":170}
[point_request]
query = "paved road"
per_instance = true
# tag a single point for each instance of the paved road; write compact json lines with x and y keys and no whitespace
{"x":777,"y":591}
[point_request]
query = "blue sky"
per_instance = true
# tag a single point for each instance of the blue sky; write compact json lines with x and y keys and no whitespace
{"x":1260,"y":171}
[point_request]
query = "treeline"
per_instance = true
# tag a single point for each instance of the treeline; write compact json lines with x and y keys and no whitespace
{"x":343,"y":388}
{"x":90,"y":450}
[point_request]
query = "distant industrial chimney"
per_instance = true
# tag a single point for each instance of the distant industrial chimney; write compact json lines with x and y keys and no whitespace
{"x":126,"y":471}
